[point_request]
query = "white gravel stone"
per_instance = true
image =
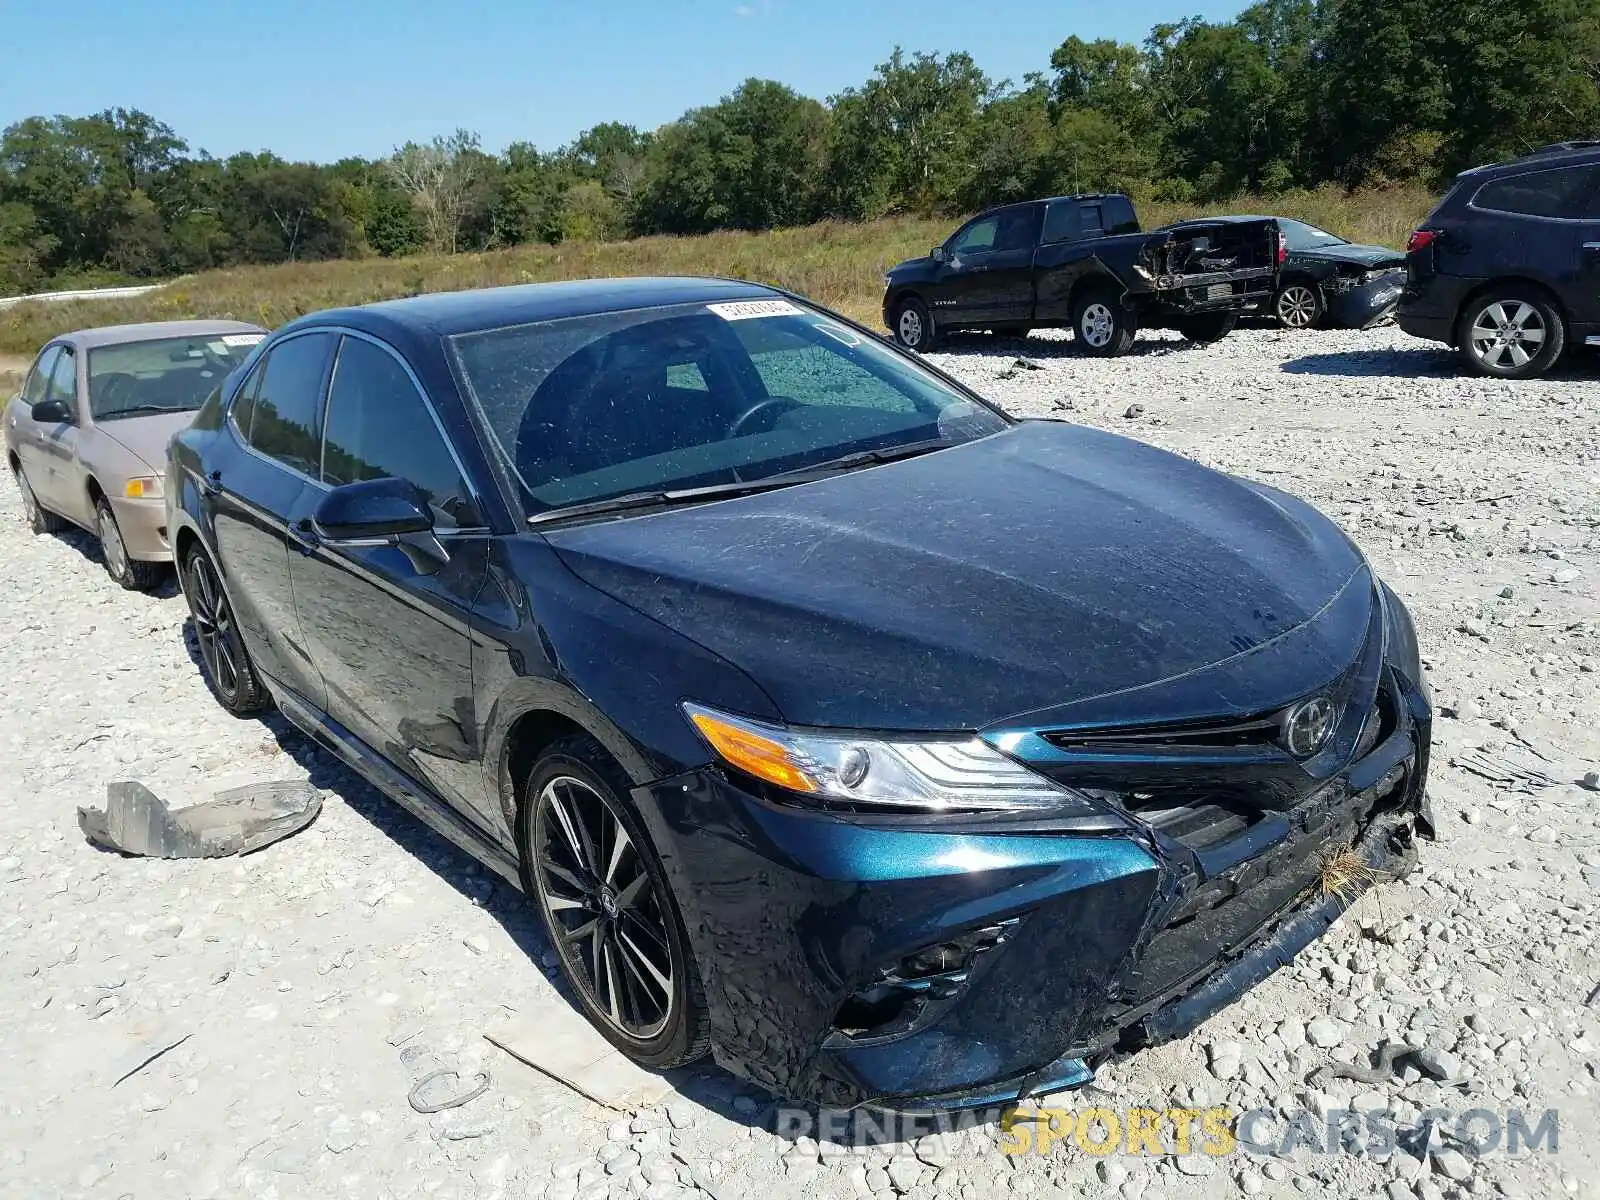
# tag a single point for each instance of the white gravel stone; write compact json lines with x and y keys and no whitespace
{"x":1325,"y":1032}
{"x":278,"y":963}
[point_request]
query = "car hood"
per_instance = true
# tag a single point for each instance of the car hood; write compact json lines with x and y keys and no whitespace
{"x":1035,"y":568}
{"x":1366,"y":256}
{"x":146,"y":437}
{"x":912,"y":266}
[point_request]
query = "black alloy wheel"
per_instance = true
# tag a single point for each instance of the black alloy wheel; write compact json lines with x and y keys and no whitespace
{"x":228,"y":671}
{"x":607,"y":908}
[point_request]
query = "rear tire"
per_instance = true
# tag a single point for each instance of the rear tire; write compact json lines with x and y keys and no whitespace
{"x":226,"y":665}
{"x":1208,"y":327}
{"x":603,"y":898}
{"x":912,"y":325}
{"x":41,"y":520}
{"x":131,"y":573}
{"x":1101,"y":325}
{"x":1510,"y":332}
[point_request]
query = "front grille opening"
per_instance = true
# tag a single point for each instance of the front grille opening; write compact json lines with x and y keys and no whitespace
{"x":1261,"y":729}
{"x":1382,"y":721}
{"x":1197,"y":822}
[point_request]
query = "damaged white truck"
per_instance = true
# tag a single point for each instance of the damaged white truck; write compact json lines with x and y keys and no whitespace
{"x":1081,"y":262}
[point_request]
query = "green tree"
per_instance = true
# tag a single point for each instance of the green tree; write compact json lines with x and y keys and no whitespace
{"x":748,"y":162}
{"x":906,"y":138}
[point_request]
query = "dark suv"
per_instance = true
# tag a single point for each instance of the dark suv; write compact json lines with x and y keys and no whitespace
{"x":1507,"y":267}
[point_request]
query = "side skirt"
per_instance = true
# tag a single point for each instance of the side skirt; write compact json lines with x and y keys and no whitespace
{"x":416,"y":800}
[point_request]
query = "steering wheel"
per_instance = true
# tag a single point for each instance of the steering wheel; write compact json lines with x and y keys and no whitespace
{"x":770,"y":404}
{"x":115,"y":390}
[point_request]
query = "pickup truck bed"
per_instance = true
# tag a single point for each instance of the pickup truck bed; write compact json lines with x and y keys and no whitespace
{"x":1081,"y":262}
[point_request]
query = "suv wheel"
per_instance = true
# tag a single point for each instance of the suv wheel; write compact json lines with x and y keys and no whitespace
{"x":225,"y":662}
{"x":1511,"y":332}
{"x":913,"y":325}
{"x":606,"y":906}
{"x":1101,"y":326}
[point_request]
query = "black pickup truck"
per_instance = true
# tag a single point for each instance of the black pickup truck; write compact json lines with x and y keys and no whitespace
{"x":1081,"y":261}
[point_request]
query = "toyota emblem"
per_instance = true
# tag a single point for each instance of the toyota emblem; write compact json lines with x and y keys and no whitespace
{"x":1307,"y":725}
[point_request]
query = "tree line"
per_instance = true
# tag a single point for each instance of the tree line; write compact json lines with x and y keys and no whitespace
{"x":1289,"y":94}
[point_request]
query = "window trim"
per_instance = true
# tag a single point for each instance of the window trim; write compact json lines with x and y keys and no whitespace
{"x":427,"y":404}
{"x":1594,"y":190}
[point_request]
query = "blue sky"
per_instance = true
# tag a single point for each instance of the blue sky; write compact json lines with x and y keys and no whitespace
{"x":319,"y":81}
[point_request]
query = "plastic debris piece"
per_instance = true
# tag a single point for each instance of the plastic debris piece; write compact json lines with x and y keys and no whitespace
{"x":235,"y":821}
{"x":423,"y":1105}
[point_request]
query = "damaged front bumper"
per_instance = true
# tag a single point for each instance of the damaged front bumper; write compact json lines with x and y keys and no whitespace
{"x":1362,"y":301}
{"x":922,"y":964}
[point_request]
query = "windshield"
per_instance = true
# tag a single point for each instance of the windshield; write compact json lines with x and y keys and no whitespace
{"x":1300,"y":236}
{"x":692,"y":395}
{"x":169,"y":375}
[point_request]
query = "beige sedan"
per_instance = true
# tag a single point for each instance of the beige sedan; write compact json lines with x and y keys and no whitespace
{"x":87,"y":437}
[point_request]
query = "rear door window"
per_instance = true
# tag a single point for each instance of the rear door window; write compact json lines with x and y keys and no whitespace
{"x":283,"y":413}
{"x":1565,"y":192}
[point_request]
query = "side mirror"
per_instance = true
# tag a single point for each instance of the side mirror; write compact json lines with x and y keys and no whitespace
{"x":373,"y":510}
{"x":937,"y":254}
{"x":50,"y":412}
{"x":382,"y":512}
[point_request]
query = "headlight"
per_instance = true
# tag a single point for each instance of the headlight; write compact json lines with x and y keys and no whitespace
{"x":832,"y":767}
{"x":143,"y":487}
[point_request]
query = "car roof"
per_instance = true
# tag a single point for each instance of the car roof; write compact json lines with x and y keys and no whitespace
{"x":1557,"y":154}
{"x":151,"y":331}
{"x":448,"y":313}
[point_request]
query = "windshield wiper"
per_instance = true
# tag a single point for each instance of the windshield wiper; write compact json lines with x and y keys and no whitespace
{"x":135,"y":409}
{"x":662,"y":499}
{"x":719,"y":491}
{"x":861,"y":458}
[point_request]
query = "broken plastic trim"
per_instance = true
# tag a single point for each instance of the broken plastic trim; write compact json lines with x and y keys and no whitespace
{"x":236,"y":821}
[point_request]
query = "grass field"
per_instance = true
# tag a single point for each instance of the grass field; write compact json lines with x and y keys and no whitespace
{"x":837,"y":264}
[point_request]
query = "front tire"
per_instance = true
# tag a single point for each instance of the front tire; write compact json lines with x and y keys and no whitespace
{"x":130,"y":572}
{"x":1298,"y":305}
{"x":912,"y":325}
{"x":225,"y":662}
{"x":1206,"y":328}
{"x":606,"y":906}
{"x":1511,"y":332}
{"x":1101,"y":325}
{"x":40,"y":519}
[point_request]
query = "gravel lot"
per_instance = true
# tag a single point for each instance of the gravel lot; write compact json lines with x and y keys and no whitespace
{"x":316,"y":981}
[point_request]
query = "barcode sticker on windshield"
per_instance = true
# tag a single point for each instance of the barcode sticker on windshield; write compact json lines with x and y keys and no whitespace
{"x":241,"y":339}
{"x":743,"y":310}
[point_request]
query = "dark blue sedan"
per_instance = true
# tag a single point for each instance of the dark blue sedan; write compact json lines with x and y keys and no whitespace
{"x":834,"y":722}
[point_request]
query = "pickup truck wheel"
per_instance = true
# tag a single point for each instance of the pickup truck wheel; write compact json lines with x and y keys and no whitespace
{"x":1298,"y":304}
{"x":1208,"y":327}
{"x":1101,"y":326}
{"x":1511,"y":332}
{"x":913,"y":325}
